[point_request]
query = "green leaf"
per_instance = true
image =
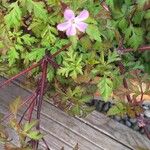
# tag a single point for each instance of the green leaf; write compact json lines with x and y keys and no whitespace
{"x":123,"y":24}
{"x":72,"y":65}
{"x":93,"y":33}
{"x":113,"y":57}
{"x":50,"y":73}
{"x":29,"y":125}
{"x":147,"y":14}
{"x":36,"y":54}
{"x":86,"y":43}
{"x":13,"y":18}
{"x":117,"y":109}
{"x":105,"y":87}
{"x":48,"y":35}
{"x":28,"y":39}
{"x":35,"y":135}
{"x":141,"y":3}
{"x":134,"y":36}
{"x":39,"y":10}
{"x":12,"y":56}
{"x":138,"y":17}
{"x":74,"y":41}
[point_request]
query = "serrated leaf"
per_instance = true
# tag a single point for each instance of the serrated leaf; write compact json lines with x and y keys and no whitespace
{"x":13,"y":18}
{"x":138,"y":17}
{"x":117,"y":109}
{"x":105,"y":87}
{"x":72,"y":65}
{"x":39,"y":10}
{"x":94,"y":33}
{"x":13,"y":55}
{"x":29,"y":125}
{"x":28,"y":39}
{"x":113,"y":57}
{"x":134,"y":36}
{"x":35,"y":135}
{"x":36,"y":54}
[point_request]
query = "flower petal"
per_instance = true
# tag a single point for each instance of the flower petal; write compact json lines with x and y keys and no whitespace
{"x":83,"y":15}
{"x":63,"y":26}
{"x":71,"y":31}
{"x":81,"y":26}
{"x":69,"y":14}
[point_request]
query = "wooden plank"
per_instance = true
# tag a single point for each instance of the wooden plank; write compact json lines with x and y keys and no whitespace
{"x":117,"y":131}
{"x":51,"y":127}
{"x":69,"y":129}
{"x":12,"y":133}
{"x":54,"y":142}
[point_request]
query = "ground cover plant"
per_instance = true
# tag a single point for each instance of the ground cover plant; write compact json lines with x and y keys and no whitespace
{"x":83,"y":48}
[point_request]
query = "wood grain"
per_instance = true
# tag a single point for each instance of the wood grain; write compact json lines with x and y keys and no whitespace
{"x":117,"y":131}
{"x":64,"y":130}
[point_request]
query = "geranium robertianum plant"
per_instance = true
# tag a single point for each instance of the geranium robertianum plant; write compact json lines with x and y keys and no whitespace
{"x":91,"y":47}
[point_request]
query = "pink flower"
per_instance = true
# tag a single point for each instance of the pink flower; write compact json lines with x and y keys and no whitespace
{"x":72,"y":23}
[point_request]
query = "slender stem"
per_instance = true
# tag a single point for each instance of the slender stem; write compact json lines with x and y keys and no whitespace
{"x":47,"y":147}
{"x":22,"y":117}
{"x":64,"y":47}
{"x":19,"y":74}
{"x":25,"y":102}
{"x":142,"y":49}
{"x":40,"y":96}
{"x":31,"y":108}
{"x":140,"y":85}
{"x":60,"y":50}
{"x":122,"y":71}
{"x":55,"y":65}
{"x":41,"y":92}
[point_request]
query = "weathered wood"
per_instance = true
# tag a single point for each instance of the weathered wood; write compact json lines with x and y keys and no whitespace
{"x":54,"y":142}
{"x":64,"y":130}
{"x":12,"y":134}
{"x":117,"y":131}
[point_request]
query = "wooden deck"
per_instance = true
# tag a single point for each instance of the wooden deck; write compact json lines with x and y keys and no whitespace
{"x":95,"y":132}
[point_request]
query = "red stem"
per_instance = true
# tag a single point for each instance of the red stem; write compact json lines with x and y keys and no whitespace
{"x":40,"y":96}
{"x":122,"y":71}
{"x":55,"y":65}
{"x":60,"y":50}
{"x":19,"y":74}
{"x":64,"y":47}
{"x":142,"y":49}
{"x":25,"y":102}
{"x":22,"y":117}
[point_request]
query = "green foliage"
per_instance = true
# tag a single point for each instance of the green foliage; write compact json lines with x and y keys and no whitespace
{"x":118,"y":109}
{"x":134,"y":36}
{"x":94,"y":33}
{"x":72,"y":64}
{"x":28,"y":28}
{"x":13,"y":55}
{"x":105,"y":86}
{"x":23,"y":131}
{"x":13,"y":18}
{"x":75,"y":99}
{"x":32,"y":134}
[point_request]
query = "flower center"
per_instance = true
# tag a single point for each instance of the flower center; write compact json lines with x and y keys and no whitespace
{"x":73,"y":21}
